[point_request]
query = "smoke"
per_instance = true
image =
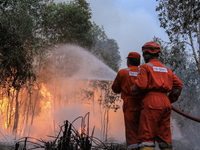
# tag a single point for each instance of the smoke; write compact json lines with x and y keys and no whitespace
{"x":176,"y":133}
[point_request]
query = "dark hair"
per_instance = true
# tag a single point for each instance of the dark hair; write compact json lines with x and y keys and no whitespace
{"x":154,"y":55}
{"x":134,"y":61}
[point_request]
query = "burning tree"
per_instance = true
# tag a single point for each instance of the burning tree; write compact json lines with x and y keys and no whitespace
{"x":27,"y":30}
{"x":16,"y":68}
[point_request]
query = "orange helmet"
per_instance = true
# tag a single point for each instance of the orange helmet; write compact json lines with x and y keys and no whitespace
{"x":151,"y":47}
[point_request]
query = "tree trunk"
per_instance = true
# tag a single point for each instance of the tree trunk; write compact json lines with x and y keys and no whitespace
{"x":36,"y":98}
{"x":194,"y":52}
{"x":29,"y":107}
{"x":25,"y":108}
{"x":16,"y":112}
{"x":8,"y":110}
{"x":106,"y":122}
{"x":198,"y":39}
{"x":11,"y":109}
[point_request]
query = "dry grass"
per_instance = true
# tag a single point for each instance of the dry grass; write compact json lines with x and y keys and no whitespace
{"x":68,"y":138}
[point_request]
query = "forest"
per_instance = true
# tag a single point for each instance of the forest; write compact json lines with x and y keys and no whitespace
{"x":34,"y":66}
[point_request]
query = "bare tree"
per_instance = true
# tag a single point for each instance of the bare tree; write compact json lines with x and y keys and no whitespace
{"x":181,"y":18}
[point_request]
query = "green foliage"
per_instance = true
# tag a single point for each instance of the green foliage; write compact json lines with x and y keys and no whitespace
{"x":173,"y":55}
{"x":43,"y":23}
{"x":39,"y":24}
{"x":15,"y":66}
{"x":105,"y":48}
{"x":25,"y":17}
{"x":109,"y":53}
{"x":68,"y":23}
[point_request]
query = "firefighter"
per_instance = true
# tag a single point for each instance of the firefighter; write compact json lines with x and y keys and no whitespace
{"x":160,"y":87}
{"x":131,"y":104}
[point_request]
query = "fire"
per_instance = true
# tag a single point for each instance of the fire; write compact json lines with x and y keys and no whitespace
{"x":44,"y":91}
{"x":27,"y":107}
{"x":80,"y":130}
{"x":6,"y":111}
{"x":5,"y":125}
{"x":41,"y":113}
{"x":48,"y":96}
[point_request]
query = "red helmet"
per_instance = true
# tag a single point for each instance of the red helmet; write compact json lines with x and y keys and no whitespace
{"x":151,"y":47}
{"x":134,"y":55}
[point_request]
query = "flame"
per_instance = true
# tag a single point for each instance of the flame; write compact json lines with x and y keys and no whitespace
{"x":8,"y":103}
{"x":44,"y":91}
{"x":80,"y":130}
{"x":49,"y":114}
{"x":46,"y":103}
{"x":4,"y":107}
{"x":47,"y":95}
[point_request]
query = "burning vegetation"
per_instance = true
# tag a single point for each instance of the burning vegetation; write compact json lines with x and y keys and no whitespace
{"x":33,"y":113}
{"x":68,"y":138}
{"x":37,"y":106}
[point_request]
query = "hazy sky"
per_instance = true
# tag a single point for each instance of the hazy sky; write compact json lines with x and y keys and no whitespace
{"x":131,"y":23}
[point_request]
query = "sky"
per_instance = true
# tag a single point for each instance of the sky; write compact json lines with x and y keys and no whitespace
{"x":131,"y":23}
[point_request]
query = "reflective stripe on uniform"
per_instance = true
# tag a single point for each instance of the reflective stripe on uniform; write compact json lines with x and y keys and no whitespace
{"x":127,"y":69}
{"x":132,"y":146}
{"x":149,"y":64}
{"x":139,"y":71}
{"x":164,"y":145}
{"x":158,"y":69}
{"x":177,"y":91}
{"x":147,"y":144}
{"x":135,"y":90}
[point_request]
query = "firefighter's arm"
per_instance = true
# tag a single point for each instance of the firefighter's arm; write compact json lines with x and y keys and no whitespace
{"x":116,"y":86}
{"x":176,"y":90}
{"x":141,"y":81}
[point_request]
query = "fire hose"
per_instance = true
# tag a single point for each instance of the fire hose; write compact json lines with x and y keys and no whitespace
{"x":185,"y":115}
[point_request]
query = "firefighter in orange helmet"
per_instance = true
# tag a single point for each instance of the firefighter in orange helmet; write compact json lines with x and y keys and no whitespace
{"x":131,"y":104}
{"x":159,"y":86}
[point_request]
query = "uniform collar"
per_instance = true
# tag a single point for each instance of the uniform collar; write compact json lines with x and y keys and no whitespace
{"x":153,"y":60}
{"x":131,"y":66}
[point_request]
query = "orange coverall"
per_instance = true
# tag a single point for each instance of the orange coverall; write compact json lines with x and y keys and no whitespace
{"x":131,"y":104}
{"x":154,"y":81}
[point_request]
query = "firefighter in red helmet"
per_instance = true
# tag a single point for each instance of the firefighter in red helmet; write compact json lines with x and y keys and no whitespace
{"x":154,"y":81}
{"x":131,"y":104}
